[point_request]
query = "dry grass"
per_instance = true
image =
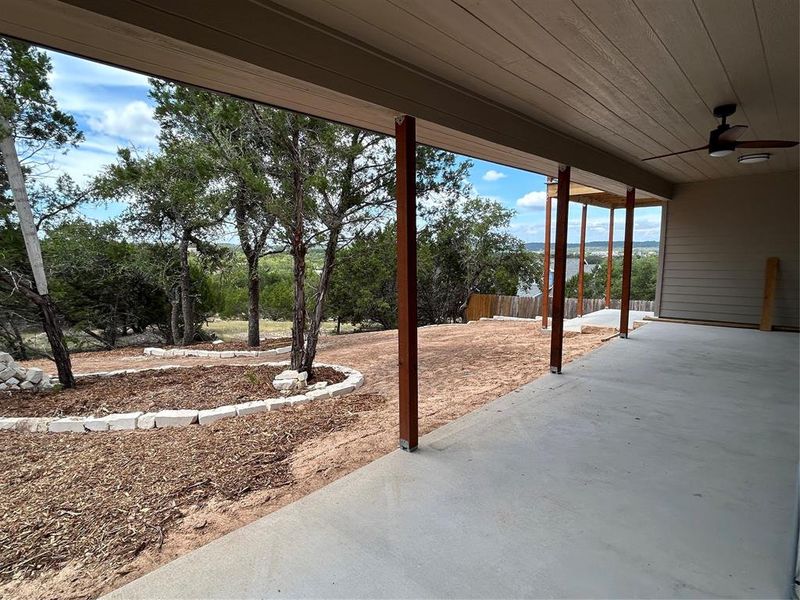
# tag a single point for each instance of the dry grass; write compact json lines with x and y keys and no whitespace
{"x":231,"y":329}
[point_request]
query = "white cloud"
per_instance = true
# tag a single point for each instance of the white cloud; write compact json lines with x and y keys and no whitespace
{"x":646,"y":227}
{"x":80,"y":71}
{"x":492,"y":175}
{"x":533,"y":200}
{"x":134,"y":122}
{"x":84,"y":162}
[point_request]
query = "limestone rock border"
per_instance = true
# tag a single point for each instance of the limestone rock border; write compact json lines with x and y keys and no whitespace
{"x":14,"y":376}
{"x":191,"y":352}
{"x":180,"y":417}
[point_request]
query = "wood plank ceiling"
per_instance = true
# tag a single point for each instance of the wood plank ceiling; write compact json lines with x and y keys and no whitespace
{"x":527,"y":83}
{"x":634,"y":77}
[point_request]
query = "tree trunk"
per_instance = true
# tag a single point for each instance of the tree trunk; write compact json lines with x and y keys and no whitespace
{"x":111,"y":329}
{"x":174,"y":317}
{"x":56,"y":338}
{"x":299,"y":262}
{"x":14,"y":339}
{"x":187,"y":304}
{"x":253,"y":312}
{"x":22,"y":350}
{"x":299,"y":313}
{"x":16,"y":180}
{"x":322,"y":296}
{"x":252,"y":251}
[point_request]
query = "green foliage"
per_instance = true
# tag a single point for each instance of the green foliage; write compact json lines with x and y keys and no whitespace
{"x":16,"y":313}
{"x":363,"y":289}
{"x":461,"y":249}
{"x":231,"y":133}
{"x":464,"y":248}
{"x":644,"y":275}
{"x":38,"y":128}
{"x":99,"y":281}
{"x":172,"y":194}
{"x":26,"y":102}
{"x":227,"y":286}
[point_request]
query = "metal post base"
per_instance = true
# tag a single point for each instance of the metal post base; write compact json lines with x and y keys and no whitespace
{"x":624,"y":336}
{"x":555,"y":370}
{"x":404,"y":446}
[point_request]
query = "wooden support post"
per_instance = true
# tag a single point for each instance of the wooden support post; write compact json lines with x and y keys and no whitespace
{"x":405,"y":138}
{"x":770,"y":284}
{"x":546,"y":267}
{"x":560,"y":270}
{"x":610,"y":259}
{"x":581,"y":260}
{"x":627,"y":263}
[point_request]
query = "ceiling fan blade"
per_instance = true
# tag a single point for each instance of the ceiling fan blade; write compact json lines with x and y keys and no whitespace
{"x":766,"y":144}
{"x":733,"y":133}
{"x":675,"y":153}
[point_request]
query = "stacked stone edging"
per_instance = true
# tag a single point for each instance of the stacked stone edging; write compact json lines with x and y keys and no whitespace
{"x":182,"y":417}
{"x":176,"y":352}
{"x":13,"y":376}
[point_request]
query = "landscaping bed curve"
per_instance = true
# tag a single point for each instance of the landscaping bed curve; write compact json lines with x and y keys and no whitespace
{"x":290,"y":385}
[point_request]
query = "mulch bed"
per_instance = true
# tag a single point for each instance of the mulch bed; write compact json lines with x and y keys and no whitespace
{"x":105,"y":498}
{"x":148,"y":391}
{"x":266,"y":344}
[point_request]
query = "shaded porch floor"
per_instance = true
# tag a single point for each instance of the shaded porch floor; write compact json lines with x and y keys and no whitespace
{"x":664,"y":465}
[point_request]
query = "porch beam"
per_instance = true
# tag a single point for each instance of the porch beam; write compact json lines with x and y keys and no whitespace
{"x":627,"y":263}
{"x":265,"y":35}
{"x":548,"y":211}
{"x":405,"y":150}
{"x":581,"y":259}
{"x":559,"y":270}
{"x":610,"y":258}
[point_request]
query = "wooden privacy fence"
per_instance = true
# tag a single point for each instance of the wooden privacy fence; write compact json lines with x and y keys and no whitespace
{"x":525,"y":307}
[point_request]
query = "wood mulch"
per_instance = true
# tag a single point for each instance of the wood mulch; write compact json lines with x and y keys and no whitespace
{"x":148,"y":391}
{"x":266,"y":344}
{"x":132,"y":488}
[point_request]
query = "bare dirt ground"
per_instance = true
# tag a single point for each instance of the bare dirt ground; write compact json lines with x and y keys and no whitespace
{"x":461,"y":367}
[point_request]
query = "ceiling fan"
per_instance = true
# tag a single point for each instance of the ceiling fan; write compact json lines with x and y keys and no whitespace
{"x":723,"y":140}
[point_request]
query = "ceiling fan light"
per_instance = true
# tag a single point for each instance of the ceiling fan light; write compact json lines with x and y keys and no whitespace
{"x":754,"y":158}
{"x":720,"y":152}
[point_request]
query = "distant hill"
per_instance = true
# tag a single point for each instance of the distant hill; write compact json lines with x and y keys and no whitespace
{"x":539,"y":246}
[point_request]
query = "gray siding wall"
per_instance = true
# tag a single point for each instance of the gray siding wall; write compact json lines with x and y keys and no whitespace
{"x":718,"y":237}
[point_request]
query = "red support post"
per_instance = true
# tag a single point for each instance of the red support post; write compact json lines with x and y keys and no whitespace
{"x":610,"y":260}
{"x":627,"y":263}
{"x":405,"y":138}
{"x":581,"y":260}
{"x":559,"y":270}
{"x":546,"y":267}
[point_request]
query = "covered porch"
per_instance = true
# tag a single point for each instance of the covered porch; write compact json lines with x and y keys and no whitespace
{"x":659,"y":466}
{"x":664,"y":465}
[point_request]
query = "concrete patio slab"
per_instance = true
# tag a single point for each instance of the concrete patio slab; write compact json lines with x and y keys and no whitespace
{"x":664,"y":465}
{"x":607,"y":317}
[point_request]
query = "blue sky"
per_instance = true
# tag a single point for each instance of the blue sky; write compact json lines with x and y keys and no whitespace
{"x":113,"y":110}
{"x":524,"y":192}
